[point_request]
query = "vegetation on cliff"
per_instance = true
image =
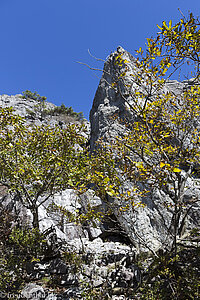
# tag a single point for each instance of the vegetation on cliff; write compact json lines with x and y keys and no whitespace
{"x":161,"y":149}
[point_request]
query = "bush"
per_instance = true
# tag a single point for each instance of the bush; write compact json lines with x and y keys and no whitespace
{"x":30,"y":243}
{"x":29,"y":95}
{"x":18,"y":247}
{"x":68,"y":111}
{"x":171,"y":277}
{"x":41,"y":110}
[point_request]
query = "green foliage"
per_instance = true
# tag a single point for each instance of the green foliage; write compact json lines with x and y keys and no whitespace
{"x":173,"y":277}
{"x":7,"y":118}
{"x":74,"y":262}
{"x":72,"y":258}
{"x":20,"y":248}
{"x":30,"y":95}
{"x":161,"y":147}
{"x":10,"y":275}
{"x":31,"y":243}
{"x":36,"y":162}
{"x":63,"y":110}
{"x":78,"y":216}
{"x":40,"y":110}
{"x":89,"y":292}
{"x":17,"y":247}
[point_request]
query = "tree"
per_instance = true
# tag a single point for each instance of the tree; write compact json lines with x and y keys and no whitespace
{"x":40,"y":109}
{"x":161,"y":145}
{"x":38,"y":161}
{"x":65,"y":111}
{"x":29,"y":95}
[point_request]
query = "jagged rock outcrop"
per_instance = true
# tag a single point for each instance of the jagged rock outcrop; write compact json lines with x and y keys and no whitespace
{"x":105,"y":263}
{"x":108,"y":102}
{"x":147,"y":227}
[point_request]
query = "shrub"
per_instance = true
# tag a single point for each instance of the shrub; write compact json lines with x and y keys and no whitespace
{"x":171,"y":277}
{"x":29,"y":95}
{"x":18,"y":247}
{"x":68,"y":111}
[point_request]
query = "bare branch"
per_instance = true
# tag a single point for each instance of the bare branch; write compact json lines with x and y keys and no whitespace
{"x":181,"y":13}
{"x":91,"y":68}
{"x":98,"y":59}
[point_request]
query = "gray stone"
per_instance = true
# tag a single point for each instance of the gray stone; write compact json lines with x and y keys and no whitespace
{"x":57,"y":266}
{"x":146,"y":227}
{"x":33,"y":291}
{"x":51,"y":297}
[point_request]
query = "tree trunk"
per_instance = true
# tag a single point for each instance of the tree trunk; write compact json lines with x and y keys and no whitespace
{"x":35,"y":217}
{"x":176,"y":223}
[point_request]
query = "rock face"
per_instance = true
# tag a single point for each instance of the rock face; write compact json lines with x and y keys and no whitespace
{"x":107,"y":101}
{"x":101,"y":265}
{"x":146,"y":227}
{"x":107,"y":261}
{"x":23,"y":107}
{"x":37,"y":112}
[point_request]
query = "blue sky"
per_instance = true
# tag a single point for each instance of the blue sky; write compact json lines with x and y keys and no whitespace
{"x":42,"y":40}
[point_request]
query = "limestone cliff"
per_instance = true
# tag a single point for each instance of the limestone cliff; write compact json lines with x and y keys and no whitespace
{"x":147,"y":226}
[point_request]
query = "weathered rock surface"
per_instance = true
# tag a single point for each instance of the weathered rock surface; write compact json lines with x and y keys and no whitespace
{"x":105,"y":263}
{"x":109,"y":101}
{"x":147,"y":227}
{"x":68,"y":199}
{"x":101,"y":265}
{"x":34,"y":111}
{"x":23,"y":107}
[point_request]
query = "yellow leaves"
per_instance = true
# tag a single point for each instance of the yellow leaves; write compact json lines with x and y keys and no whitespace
{"x":139,"y":165}
{"x":164,"y":29}
{"x":166,"y":135}
{"x":129,"y":193}
{"x":111,"y":193}
{"x":176,"y":170}
{"x":113,"y":84}
{"x":188,"y":35}
{"x":34,"y":259}
{"x":99,"y":174}
{"x":21,"y":171}
{"x":148,"y":151}
{"x":169,"y":167}
{"x":162,"y":164}
{"x":161,"y":81}
{"x":120,"y":61}
{"x":139,"y":51}
{"x":170,"y":24}
{"x":158,"y":52}
{"x":70,"y":182}
{"x":124,"y":208}
{"x":165,"y":25}
{"x":149,"y":41}
{"x":122,"y":74}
